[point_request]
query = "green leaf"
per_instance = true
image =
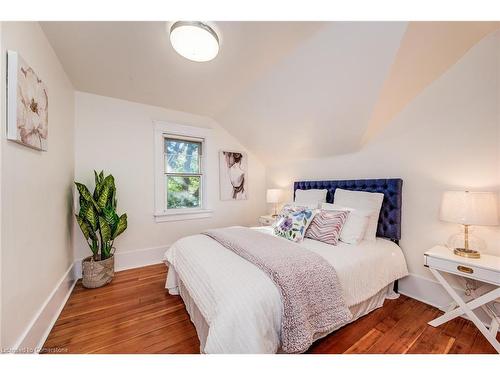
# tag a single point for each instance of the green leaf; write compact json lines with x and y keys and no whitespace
{"x":84,"y":192}
{"x":113,"y":199}
{"x":111,"y":217}
{"x":94,"y":246}
{"x":108,"y":185}
{"x":109,"y":180}
{"x":121,"y":226}
{"x":84,"y":226}
{"x":106,"y":251}
{"x":85,"y":195}
{"x":97,"y":185}
{"x":105,"y":231}
{"x":116,"y":220}
{"x":103,"y":196}
{"x":90,"y":214}
{"x":93,"y":235}
{"x":107,"y":213}
{"x":83,"y":207}
{"x":81,"y":201}
{"x":88,"y":233}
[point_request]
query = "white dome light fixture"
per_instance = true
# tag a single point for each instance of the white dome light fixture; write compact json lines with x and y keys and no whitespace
{"x":194,"y":40}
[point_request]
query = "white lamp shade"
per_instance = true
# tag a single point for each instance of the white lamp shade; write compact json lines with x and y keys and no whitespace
{"x":471,"y":208}
{"x":273,"y":195}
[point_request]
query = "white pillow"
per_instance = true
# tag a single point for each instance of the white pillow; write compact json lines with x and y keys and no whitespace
{"x":311,"y":206}
{"x":310,"y":198}
{"x":365,"y":201}
{"x":355,"y":226}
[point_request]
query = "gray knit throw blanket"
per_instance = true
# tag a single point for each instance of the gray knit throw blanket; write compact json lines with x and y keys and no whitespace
{"x":313,"y":304}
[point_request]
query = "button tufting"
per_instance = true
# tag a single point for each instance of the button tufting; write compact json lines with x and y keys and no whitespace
{"x":389,"y":220}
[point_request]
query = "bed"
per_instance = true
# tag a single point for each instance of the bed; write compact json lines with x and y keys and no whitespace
{"x":235,"y":306}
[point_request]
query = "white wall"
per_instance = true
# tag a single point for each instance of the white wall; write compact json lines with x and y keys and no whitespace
{"x":117,"y":136}
{"x":36,"y":191}
{"x":447,"y":138}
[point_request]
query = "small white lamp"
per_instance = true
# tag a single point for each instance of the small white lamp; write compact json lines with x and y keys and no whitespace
{"x":274,"y":196}
{"x":469,"y":208}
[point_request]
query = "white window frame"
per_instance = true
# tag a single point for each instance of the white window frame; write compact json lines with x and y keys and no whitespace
{"x":164,"y":130}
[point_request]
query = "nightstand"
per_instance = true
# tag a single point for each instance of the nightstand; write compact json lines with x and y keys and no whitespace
{"x":486,"y":269}
{"x":267,"y":220}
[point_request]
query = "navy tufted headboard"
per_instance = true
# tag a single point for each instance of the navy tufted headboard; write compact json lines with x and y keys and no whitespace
{"x":389,"y":222}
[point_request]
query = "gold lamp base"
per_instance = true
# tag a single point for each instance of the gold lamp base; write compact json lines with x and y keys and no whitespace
{"x":467,"y":253}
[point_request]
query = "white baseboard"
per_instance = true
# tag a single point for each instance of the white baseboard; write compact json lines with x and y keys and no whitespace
{"x":131,"y":259}
{"x":425,"y":290}
{"x":33,"y":338}
{"x":432,"y":293}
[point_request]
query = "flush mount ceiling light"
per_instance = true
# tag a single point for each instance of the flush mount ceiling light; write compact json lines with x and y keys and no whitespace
{"x":194,"y":40}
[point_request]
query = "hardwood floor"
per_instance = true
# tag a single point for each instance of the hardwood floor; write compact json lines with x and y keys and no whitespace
{"x":135,"y":314}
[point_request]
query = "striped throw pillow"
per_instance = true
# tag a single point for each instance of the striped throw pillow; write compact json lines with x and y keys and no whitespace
{"x":326,"y":226}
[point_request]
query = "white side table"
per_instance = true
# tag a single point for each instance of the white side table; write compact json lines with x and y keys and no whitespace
{"x":267,"y":220}
{"x":440,"y":259}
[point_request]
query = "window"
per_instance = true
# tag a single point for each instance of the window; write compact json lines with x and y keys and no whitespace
{"x":180,"y":191}
{"x":183,"y":172}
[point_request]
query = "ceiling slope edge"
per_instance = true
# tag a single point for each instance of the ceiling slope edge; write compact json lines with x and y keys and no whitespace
{"x":427,"y":51}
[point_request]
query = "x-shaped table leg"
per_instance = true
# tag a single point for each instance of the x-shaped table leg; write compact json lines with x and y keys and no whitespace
{"x":466,"y":308}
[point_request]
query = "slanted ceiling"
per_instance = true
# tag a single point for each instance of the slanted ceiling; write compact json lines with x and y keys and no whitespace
{"x":289,"y":90}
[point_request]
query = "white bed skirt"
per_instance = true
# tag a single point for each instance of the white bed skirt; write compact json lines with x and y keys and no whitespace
{"x":175,"y":286}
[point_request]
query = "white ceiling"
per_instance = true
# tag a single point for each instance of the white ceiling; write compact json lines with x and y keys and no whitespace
{"x":283,"y":89}
{"x":135,"y":60}
{"x":317,"y":101}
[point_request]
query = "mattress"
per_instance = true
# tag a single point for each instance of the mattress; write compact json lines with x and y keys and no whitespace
{"x":357,"y":311}
{"x":236,"y":308}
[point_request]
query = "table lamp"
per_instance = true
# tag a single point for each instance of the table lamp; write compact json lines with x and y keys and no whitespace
{"x":469,"y":208}
{"x":274,"y":196}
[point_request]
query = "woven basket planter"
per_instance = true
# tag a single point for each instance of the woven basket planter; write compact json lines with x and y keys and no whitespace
{"x":96,"y":273}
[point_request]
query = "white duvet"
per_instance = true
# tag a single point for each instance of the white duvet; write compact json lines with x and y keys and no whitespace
{"x":242,"y":306}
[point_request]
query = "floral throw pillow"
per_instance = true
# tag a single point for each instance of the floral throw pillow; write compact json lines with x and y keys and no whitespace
{"x":287,"y":209}
{"x":293,"y":226}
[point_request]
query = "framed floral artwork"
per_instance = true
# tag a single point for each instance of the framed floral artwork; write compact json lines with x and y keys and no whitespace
{"x":27,"y":104}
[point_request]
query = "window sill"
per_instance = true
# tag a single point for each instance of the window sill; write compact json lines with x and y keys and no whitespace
{"x":187,"y":215}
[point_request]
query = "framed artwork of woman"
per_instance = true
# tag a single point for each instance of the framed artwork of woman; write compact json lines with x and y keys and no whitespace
{"x":233,"y":170}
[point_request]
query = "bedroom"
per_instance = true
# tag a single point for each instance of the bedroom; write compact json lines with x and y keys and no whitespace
{"x":262,"y":186}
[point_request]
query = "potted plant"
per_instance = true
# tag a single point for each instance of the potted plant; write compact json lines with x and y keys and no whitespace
{"x":100,"y":225}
